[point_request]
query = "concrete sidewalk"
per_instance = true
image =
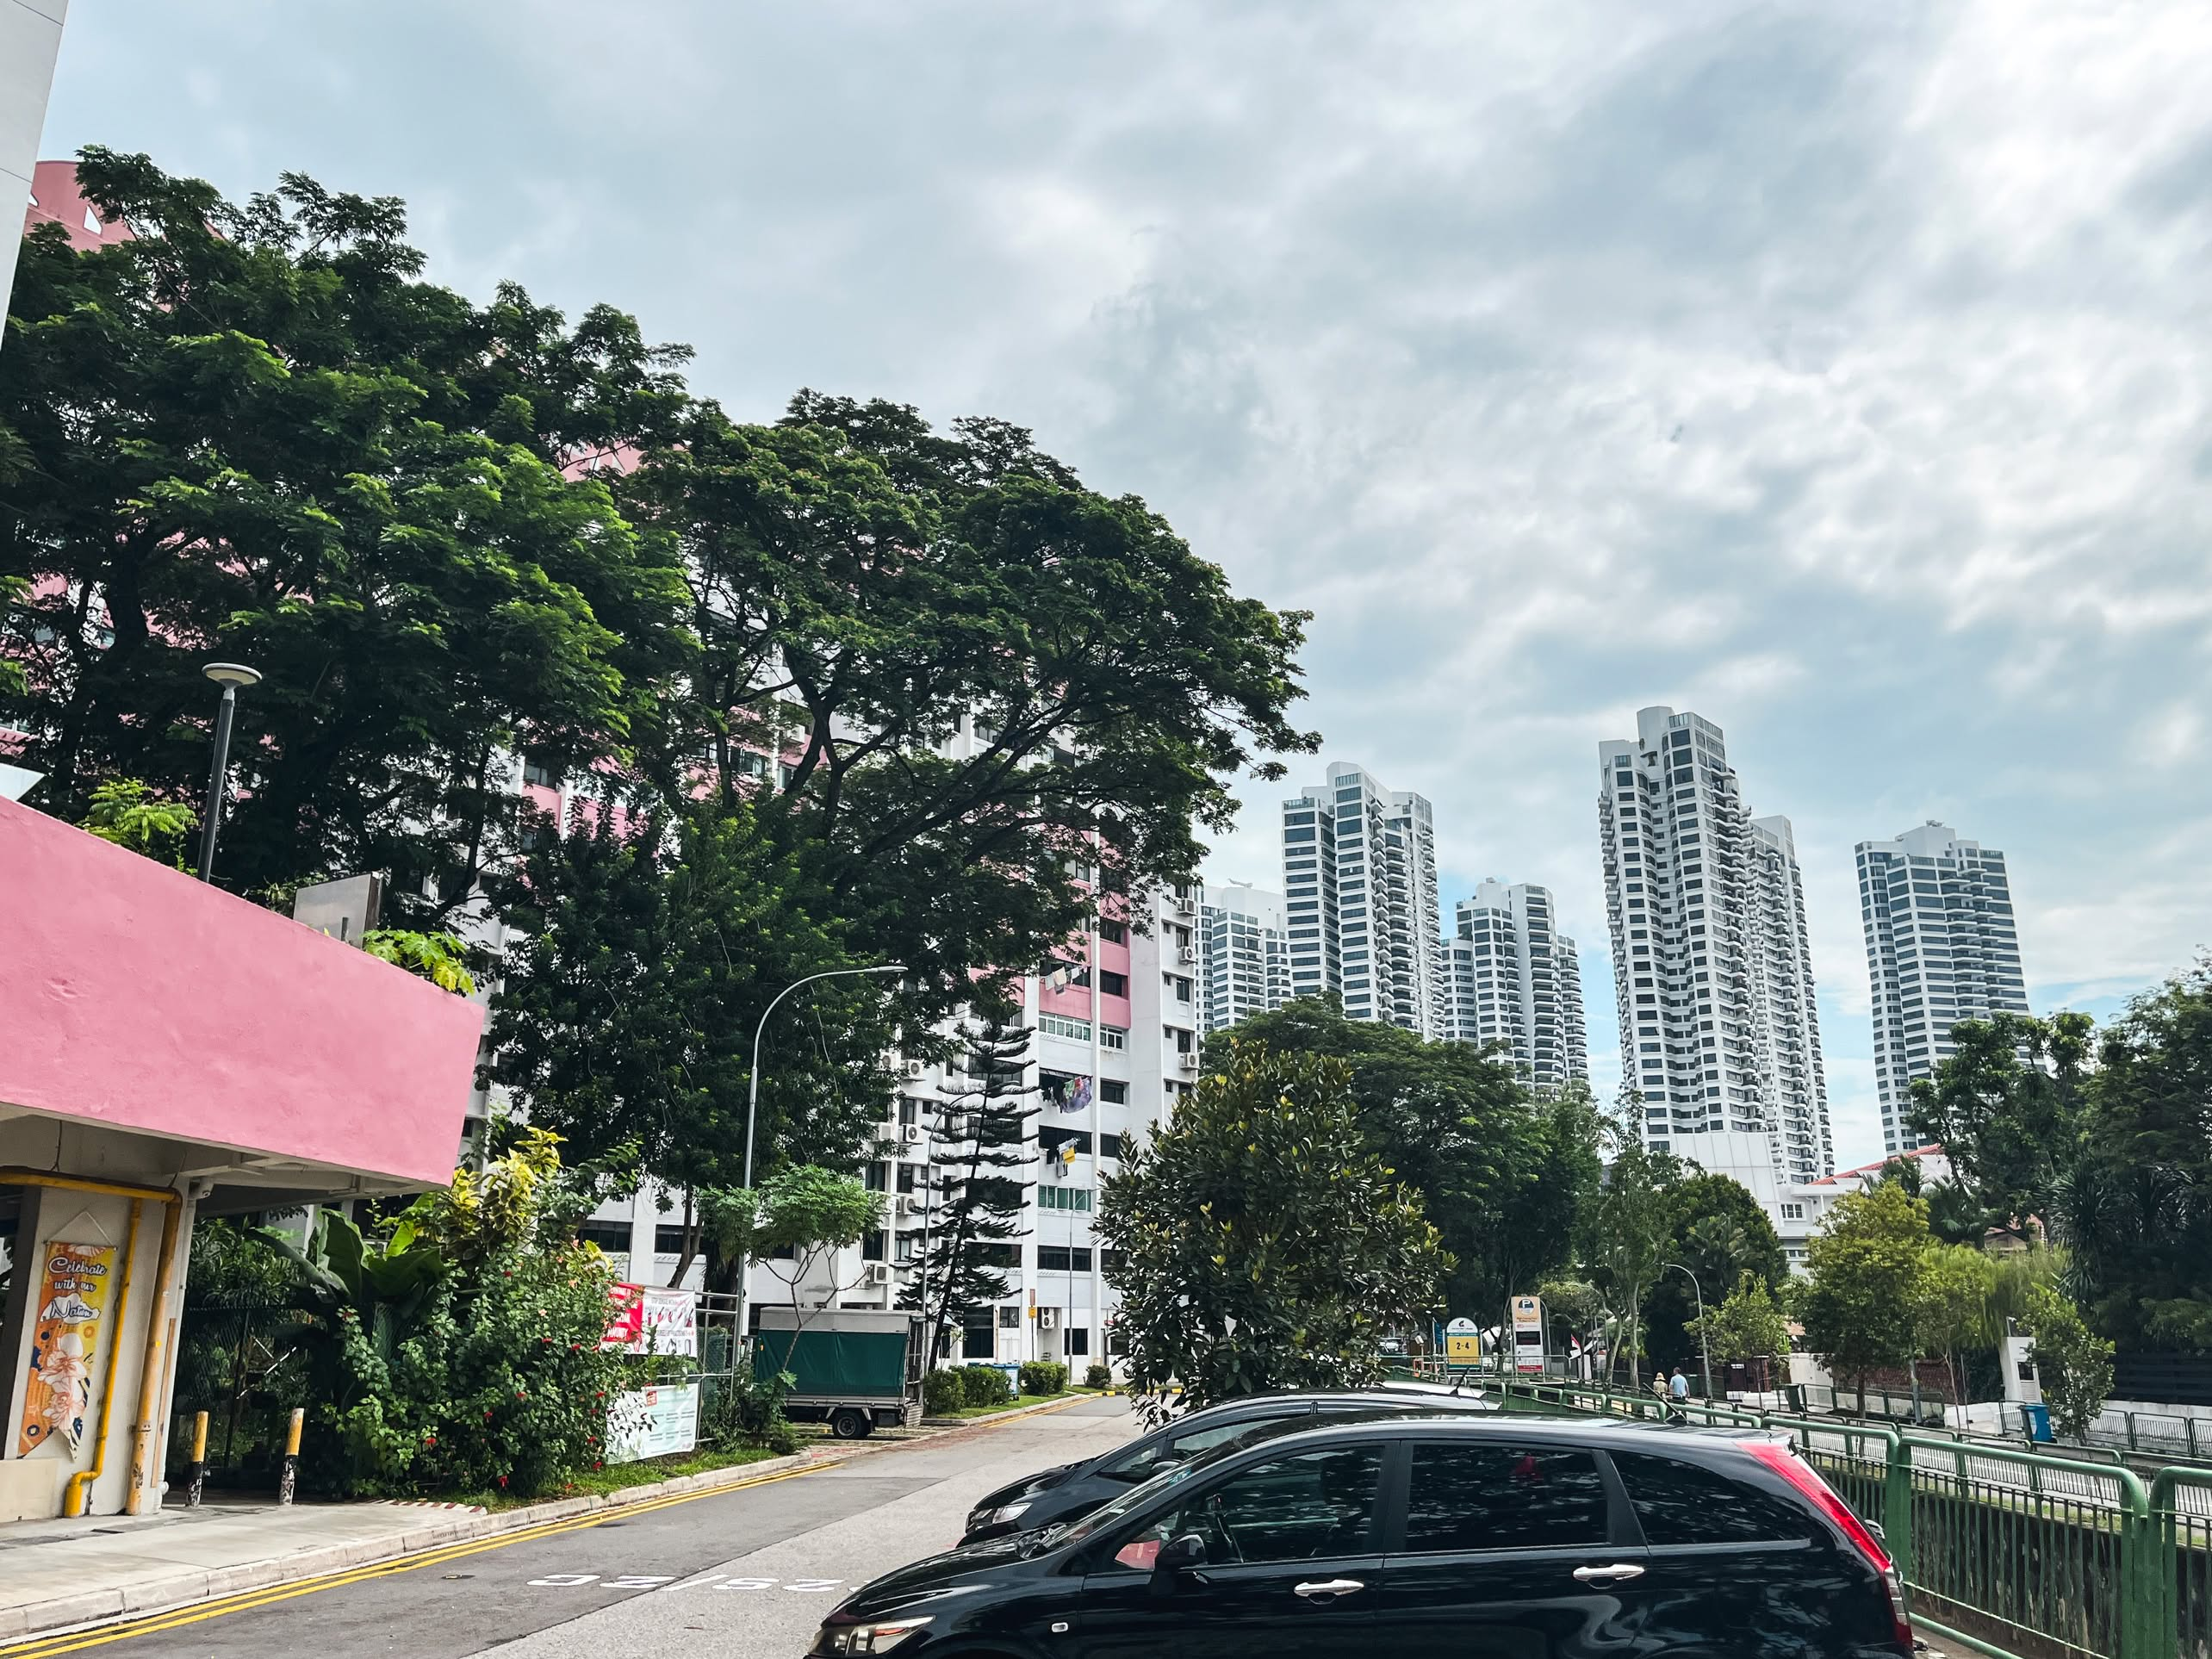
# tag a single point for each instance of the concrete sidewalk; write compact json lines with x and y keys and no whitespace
{"x":57,"y":1574}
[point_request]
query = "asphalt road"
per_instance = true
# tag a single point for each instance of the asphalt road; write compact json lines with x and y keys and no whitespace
{"x":732,"y":1575}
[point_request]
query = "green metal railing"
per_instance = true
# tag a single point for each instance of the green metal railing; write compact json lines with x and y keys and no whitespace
{"x":2181,"y":1514}
{"x":2015,"y":1553}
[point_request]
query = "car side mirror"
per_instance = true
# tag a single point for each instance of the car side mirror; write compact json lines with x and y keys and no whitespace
{"x":1177,"y":1557}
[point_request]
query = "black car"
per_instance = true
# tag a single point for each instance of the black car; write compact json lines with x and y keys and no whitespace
{"x":1074,"y":1490}
{"x":1533,"y":1538}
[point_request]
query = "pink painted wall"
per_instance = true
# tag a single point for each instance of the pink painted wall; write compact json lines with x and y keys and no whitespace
{"x":133,"y":996}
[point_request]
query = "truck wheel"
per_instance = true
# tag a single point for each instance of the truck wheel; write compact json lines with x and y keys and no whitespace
{"x":849,"y":1423}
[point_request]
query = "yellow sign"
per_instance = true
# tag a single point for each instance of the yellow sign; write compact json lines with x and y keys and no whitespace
{"x":1463,"y":1341}
{"x":72,"y":1299}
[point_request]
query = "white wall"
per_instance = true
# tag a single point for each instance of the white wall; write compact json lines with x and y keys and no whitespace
{"x":30,"y":39}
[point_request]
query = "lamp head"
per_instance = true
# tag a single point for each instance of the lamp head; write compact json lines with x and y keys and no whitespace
{"x":232,"y":673}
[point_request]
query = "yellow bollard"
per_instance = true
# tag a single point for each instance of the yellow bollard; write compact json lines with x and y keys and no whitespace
{"x":290,"y":1478}
{"x":199,"y":1482}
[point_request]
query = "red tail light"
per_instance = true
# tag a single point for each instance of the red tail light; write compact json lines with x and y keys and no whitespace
{"x":1780,"y":1457}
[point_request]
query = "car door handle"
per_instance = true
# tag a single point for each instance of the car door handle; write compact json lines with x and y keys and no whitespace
{"x":1620,"y":1569}
{"x":1325,"y":1589}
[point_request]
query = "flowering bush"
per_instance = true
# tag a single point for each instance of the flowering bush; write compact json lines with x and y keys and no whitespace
{"x":463,"y":1353}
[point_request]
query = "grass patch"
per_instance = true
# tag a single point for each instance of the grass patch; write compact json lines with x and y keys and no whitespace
{"x":621,"y":1477}
{"x":1011,"y":1405}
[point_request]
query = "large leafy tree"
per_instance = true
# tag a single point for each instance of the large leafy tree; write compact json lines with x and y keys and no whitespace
{"x":251,"y":431}
{"x":2135,"y":1211}
{"x":1624,"y":1233}
{"x":1502,"y":1175}
{"x":645,"y":953}
{"x":992,"y":695}
{"x":1720,"y":1232}
{"x":2006,"y":1105}
{"x":1261,"y":1244}
{"x":1861,"y":1305}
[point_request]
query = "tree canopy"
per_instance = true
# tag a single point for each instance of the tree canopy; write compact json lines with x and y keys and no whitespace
{"x":1261,"y":1244}
{"x":1861,"y":1307}
{"x":252,"y":432}
{"x":1502,"y":1175}
{"x":2006,"y":1106}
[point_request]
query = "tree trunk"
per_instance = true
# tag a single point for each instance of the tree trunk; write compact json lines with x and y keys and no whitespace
{"x":691,"y":1244}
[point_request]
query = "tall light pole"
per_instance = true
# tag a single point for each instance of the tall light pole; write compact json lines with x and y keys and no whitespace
{"x":230,"y":676}
{"x":1704,"y":1348}
{"x":753,"y":1107}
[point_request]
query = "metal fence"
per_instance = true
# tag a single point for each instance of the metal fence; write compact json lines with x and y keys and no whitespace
{"x":2016,"y":1554}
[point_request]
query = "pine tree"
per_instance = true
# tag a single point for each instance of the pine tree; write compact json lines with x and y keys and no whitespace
{"x":980,"y":1148}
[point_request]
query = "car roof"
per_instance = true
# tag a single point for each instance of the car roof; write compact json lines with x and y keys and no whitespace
{"x":1338,"y":1396}
{"x":1521,"y":1427}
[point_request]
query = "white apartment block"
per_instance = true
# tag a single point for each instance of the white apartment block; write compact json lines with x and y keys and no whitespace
{"x":1712,"y":976}
{"x":30,"y":41}
{"x":1359,"y":884}
{"x":1516,"y":979}
{"x":1940,"y":948}
{"x":1244,"y":954}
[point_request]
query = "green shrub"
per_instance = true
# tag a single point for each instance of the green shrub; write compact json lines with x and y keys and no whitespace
{"x":1044,"y":1377}
{"x":943,"y":1392}
{"x":749,"y":1410}
{"x":985,"y":1385}
{"x":1098,"y":1376}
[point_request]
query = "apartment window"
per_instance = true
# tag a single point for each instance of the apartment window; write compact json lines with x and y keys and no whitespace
{"x":1113,"y":1091}
{"x":1058,"y":1025}
{"x":1113,"y":1036}
{"x":612,"y":1235}
{"x":1070,"y":1198}
{"x":1063,"y":1258}
{"x":1111,"y":984}
{"x":542,"y":774}
{"x":1114,"y":932}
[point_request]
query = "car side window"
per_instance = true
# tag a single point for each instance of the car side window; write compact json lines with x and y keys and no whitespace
{"x":1682,"y":1503}
{"x":1306,"y":1507}
{"x":1503,"y":1497}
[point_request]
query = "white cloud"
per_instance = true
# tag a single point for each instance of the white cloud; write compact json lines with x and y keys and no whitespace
{"x":1843,"y":373}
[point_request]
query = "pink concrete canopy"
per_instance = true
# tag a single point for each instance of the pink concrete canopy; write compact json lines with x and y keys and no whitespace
{"x":133,"y":996}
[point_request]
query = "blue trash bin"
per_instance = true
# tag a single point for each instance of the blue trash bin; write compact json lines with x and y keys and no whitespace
{"x":2039,"y":1421}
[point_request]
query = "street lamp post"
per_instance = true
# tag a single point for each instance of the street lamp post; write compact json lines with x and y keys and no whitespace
{"x":1704,"y":1348}
{"x":230,"y":676}
{"x":752,"y":1109}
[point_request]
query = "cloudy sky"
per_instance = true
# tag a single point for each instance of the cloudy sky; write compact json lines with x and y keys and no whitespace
{"x":1840,"y":371}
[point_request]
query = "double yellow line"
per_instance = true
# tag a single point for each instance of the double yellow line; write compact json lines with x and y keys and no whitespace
{"x":39,"y":1647}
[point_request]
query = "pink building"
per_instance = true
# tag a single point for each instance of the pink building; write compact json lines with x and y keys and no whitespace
{"x":171,"y":1051}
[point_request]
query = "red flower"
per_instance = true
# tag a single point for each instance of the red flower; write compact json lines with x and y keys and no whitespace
{"x":429,"y":1440}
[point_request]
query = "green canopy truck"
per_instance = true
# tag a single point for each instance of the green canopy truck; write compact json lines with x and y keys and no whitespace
{"x":857,"y":1369}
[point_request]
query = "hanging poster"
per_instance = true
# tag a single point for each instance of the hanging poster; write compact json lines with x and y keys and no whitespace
{"x":652,"y":1423}
{"x":72,"y":1300}
{"x":651,"y":1320}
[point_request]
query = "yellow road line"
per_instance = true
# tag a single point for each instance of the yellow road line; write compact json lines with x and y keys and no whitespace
{"x":247,"y":1601}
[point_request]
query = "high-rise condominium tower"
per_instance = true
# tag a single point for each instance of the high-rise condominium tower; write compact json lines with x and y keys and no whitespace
{"x":1514,"y":979}
{"x":1711,"y":969}
{"x":1360,"y":889}
{"x":1244,"y":954}
{"x":1941,"y":948}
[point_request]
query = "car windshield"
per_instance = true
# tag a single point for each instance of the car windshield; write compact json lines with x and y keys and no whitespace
{"x":1158,"y":1453}
{"x":1107,"y":1514}
{"x":1161,"y":1476}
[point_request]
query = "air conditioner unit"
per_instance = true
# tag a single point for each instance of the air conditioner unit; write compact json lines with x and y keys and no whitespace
{"x":875,"y":1273}
{"x":1188,"y":953}
{"x":1188,"y":1059}
{"x":917,"y":1068}
{"x":910,"y":1134}
{"x":903,"y":1204}
{"x":1185,"y":906}
{"x":1048,"y":1319}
